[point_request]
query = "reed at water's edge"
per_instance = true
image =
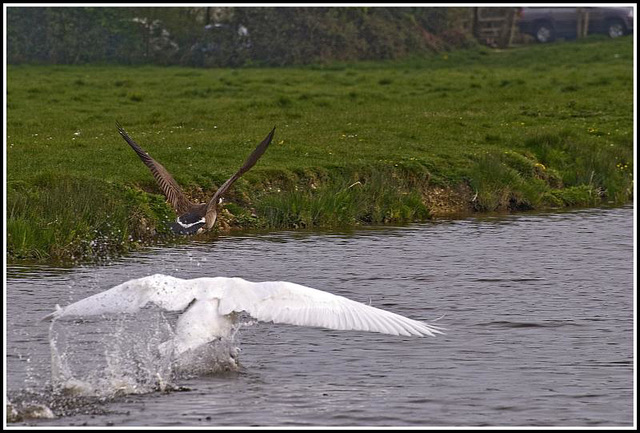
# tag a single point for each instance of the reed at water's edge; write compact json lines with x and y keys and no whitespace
{"x":364,"y":143}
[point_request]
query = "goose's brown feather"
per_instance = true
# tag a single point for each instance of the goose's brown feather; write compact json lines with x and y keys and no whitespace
{"x":250,"y":162}
{"x":165,"y":181}
{"x":174,"y":193}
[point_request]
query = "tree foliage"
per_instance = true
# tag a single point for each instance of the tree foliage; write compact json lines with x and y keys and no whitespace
{"x":208,"y":36}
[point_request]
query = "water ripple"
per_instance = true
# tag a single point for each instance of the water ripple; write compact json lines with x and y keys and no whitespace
{"x":538,"y":309}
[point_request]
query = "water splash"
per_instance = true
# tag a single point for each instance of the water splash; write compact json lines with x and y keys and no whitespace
{"x":129,"y":354}
{"x":97,"y":361}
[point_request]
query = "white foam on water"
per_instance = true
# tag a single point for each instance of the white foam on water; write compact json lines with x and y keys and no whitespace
{"x":129,"y":354}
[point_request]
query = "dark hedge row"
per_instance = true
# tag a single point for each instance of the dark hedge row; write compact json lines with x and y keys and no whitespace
{"x":229,"y":36}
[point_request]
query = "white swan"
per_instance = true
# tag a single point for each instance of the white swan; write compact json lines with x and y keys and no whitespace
{"x":211,"y":305}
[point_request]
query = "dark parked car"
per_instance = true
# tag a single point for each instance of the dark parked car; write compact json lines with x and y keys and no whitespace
{"x":547,"y":24}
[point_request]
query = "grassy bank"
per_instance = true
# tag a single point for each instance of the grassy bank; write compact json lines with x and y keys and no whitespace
{"x":476,"y":130}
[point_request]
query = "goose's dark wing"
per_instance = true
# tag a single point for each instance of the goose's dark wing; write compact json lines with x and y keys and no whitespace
{"x":250,"y":162}
{"x":167,"y":184}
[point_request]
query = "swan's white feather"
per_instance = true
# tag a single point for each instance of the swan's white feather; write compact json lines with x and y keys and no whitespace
{"x":294,"y":304}
{"x":164,"y":291}
{"x":216,"y":298}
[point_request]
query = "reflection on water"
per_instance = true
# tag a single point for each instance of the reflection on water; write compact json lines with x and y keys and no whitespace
{"x":539,"y":311}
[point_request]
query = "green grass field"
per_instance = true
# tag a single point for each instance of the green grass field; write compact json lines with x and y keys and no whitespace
{"x":359,"y":143}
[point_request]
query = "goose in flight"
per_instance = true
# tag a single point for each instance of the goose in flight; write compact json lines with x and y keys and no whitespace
{"x":210,"y":307}
{"x":192,"y":218}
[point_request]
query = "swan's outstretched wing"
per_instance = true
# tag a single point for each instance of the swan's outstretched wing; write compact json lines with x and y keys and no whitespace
{"x":167,"y":292}
{"x":167,"y":184}
{"x":250,"y":162}
{"x":276,"y":301}
{"x":294,"y":304}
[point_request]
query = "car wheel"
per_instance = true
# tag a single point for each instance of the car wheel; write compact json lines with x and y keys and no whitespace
{"x":615,"y":28}
{"x":544,"y":33}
